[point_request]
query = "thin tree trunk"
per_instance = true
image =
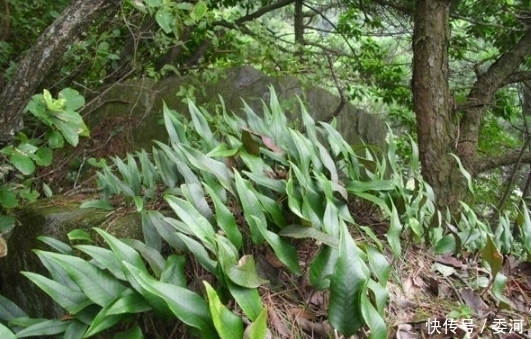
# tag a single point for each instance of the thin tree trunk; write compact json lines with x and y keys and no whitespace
{"x":49,"y":48}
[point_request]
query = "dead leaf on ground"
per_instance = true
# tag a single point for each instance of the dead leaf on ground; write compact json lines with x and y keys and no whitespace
{"x":450,"y":261}
{"x":474,"y":301}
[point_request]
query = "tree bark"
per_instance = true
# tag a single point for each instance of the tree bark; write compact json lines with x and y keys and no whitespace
{"x":49,"y":48}
{"x":436,"y":126}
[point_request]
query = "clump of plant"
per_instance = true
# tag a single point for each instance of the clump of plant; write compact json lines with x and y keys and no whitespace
{"x":222,"y":188}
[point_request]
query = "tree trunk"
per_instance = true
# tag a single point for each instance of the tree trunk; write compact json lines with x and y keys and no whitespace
{"x":49,"y":48}
{"x":436,"y":126}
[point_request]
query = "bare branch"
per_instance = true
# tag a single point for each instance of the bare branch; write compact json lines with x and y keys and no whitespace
{"x":517,"y":77}
{"x":490,"y":162}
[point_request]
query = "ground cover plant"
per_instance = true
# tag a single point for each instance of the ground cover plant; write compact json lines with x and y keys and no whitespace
{"x":254,"y":229}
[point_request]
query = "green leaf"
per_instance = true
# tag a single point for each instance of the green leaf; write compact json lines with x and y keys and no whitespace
{"x":105,"y":258}
{"x":188,"y":306}
{"x":301,"y":232}
{"x":44,"y":156}
{"x":57,"y":245}
{"x":378,"y":264}
{"x":55,"y":139}
{"x":75,"y":330}
{"x":103,"y":321}
{"x":283,"y":250}
{"x":347,"y":285}
{"x":68,"y":131}
{"x":151,"y":255}
{"x":374,"y":320}
{"x":198,"y":118}
{"x":9,"y":310}
{"x":198,"y":224}
{"x":133,"y":333}
{"x":498,"y":288}
{"x":79,"y":234}
{"x":199,"y":11}
{"x":164,"y":19}
{"x":99,"y":204}
{"x":445,"y":245}
{"x":225,"y":219}
{"x":122,"y":251}
{"x":248,"y":299}
{"x":228,"y":324}
{"x":6,"y":333}
{"x":199,"y":252}
{"x":71,"y":300}
{"x":258,"y":328}
{"x":98,"y":285}
{"x":174,"y":271}
{"x":73,"y":100}
{"x":47,"y":190}
{"x":252,"y":208}
{"x":322,"y":267}
{"x":8,"y":199}
{"x":129,"y":301}
{"x":23,"y":163}
{"x":152,"y":237}
{"x":244,"y":273}
{"x":7,"y":222}
{"x":44,"y":328}
{"x":174,"y":127}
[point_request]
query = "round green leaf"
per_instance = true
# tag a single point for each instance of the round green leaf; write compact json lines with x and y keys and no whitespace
{"x":23,"y":163}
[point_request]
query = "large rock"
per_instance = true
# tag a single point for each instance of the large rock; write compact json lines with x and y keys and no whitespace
{"x":137,"y":103}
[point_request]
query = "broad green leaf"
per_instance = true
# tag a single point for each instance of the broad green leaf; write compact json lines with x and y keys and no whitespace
{"x":8,"y":199}
{"x":174,"y":271}
{"x":151,"y":235}
{"x":347,"y":285}
{"x":44,"y":156}
{"x":244,"y":273}
{"x":188,"y":306}
{"x":228,"y":324}
{"x":9,"y":310}
{"x":164,"y":19}
{"x":122,"y":251}
{"x":75,"y":330}
{"x":251,"y":208}
{"x":99,"y":204}
{"x":57,"y":245}
{"x":225,"y":219}
{"x":6,"y":333}
{"x":206,"y":164}
{"x":199,"y":252}
{"x":199,"y":11}
{"x":394,"y":231}
{"x":322,"y":267}
{"x":71,"y":300}
{"x":277,"y":185}
{"x":378,"y":264}
{"x":248,"y":299}
{"x":222,"y":151}
{"x":498,"y":288}
{"x":98,"y":285}
{"x":258,"y":328}
{"x":199,"y":225}
{"x":79,"y":234}
{"x":105,"y":258}
{"x":103,"y":321}
{"x":68,"y":131}
{"x":194,"y":194}
{"x":134,"y":332}
{"x":23,"y":163}
{"x":44,"y":328}
{"x":445,"y":245}
{"x":251,"y":145}
{"x":198,"y":118}
{"x":285,"y":252}
{"x":73,"y":100}
{"x":55,"y":139}
{"x":301,"y":232}
{"x":129,"y":302}
{"x":175,"y":128}
{"x":166,"y":231}
{"x":152,"y":256}
{"x":7,"y":222}
{"x":374,"y":320}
